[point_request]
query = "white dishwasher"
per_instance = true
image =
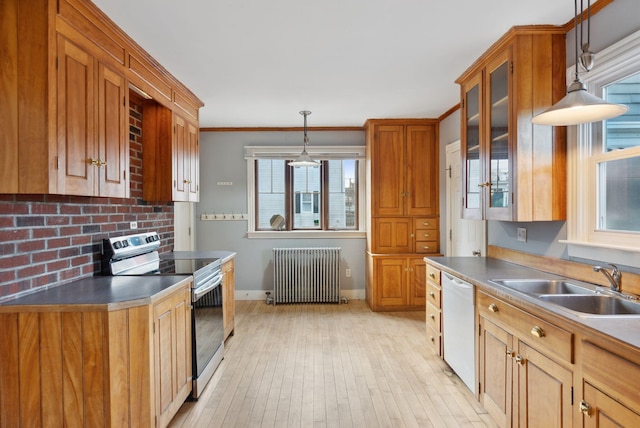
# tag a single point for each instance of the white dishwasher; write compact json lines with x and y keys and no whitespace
{"x":458,"y":328}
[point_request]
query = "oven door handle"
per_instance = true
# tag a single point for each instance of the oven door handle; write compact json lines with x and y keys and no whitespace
{"x":201,"y":291}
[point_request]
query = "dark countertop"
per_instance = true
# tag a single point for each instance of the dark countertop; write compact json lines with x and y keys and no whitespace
{"x":224,"y":256}
{"x":99,"y":293}
{"x":480,"y":270}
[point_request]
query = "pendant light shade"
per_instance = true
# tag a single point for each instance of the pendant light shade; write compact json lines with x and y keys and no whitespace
{"x":304,"y":159}
{"x":579,"y":106}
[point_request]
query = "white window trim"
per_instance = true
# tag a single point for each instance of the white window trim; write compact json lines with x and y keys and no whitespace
{"x":291,"y":152}
{"x":583,"y":240}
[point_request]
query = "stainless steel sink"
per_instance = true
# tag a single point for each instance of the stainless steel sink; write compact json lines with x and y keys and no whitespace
{"x":595,"y":304}
{"x":544,"y":286}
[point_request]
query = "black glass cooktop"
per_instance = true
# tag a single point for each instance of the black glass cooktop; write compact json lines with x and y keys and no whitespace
{"x":183,"y":266}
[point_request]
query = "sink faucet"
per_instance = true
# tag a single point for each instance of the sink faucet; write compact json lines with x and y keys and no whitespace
{"x":615,"y":277}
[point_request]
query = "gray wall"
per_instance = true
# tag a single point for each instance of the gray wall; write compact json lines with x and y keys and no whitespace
{"x":222,"y":159}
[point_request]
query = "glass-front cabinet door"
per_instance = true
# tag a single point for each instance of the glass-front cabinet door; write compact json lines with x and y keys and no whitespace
{"x":497,"y":180}
{"x":472,"y":169}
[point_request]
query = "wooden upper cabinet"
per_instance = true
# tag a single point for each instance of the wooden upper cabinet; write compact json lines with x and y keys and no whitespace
{"x":404,"y":167}
{"x":514,"y":170}
{"x":170,"y":161}
{"x":65,"y":74}
{"x":93,"y":147}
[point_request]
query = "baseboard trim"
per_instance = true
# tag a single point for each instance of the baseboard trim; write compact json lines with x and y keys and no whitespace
{"x":260,"y":294}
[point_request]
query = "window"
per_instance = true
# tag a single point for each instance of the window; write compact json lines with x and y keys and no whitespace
{"x":604,"y":173}
{"x":299,"y":200}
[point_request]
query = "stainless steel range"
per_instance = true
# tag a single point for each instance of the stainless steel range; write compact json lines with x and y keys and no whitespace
{"x":138,"y":255}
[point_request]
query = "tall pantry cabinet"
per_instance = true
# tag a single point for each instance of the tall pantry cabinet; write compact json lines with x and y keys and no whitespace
{"x":401,"y":210}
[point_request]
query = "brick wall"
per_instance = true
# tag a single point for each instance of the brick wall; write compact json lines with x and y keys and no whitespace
{"x":50,"y":240}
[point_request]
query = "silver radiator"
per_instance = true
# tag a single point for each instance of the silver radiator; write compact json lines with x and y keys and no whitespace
{"x":306,"y":275}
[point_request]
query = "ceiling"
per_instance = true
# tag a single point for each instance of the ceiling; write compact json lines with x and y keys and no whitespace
{"x":257,"y":63}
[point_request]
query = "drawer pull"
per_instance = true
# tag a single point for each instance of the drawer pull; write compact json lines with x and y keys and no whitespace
{"x":426,"y":235}
{"x":510,"y":353}
{"x":520,"y":360}
{"x":537,"y":331}
{"x":432,"y":339}
{"x":432,"y":275}
{"x":493,"y":307}
{"x":433,"y":317}
{"x":432,"y":294}
{"x":426,"y":223}
{"x":585,"y":408}
{"x":426,"y":247}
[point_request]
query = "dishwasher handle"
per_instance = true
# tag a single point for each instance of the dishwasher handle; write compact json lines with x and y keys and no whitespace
{"x":450,"y":279}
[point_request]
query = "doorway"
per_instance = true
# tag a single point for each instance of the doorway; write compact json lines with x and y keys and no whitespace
{"x":464,"y":237}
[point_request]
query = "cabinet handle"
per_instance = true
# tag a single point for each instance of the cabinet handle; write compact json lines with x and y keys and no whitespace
{"x":432,"y":294}
{"x":187,"y":181}
{"x":432,"y":339}
{"x":585,"y":408}
{"x":92,"y":161}
{"x":510,"y":353}
{"x":493,"y":307}
{"x":426,"y":247}
{"x":433,"y":317}
{"x":425,"y":223}
{"x":426,"y":235}
{"x":100,"y":163}
{"x":537,"y":331}
{"x":485,"y":184}
{"x":412,"y":235}
{"x":520,"y":360}
{"x":432,"y":275}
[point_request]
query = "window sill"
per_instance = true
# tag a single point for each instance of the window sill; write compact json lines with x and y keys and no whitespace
{"x":298,"y":234}
{"x":626,"y":256}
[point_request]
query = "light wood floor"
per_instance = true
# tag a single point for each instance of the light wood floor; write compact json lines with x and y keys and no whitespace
{"x":330,"y":366}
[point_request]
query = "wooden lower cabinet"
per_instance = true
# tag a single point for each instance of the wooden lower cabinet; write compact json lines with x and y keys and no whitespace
{"x":172,"y":354}
{"x":396,"y":283}
{"x":524,"y":379}
{"x":434,"y":310}
{"x":610,"y":389}
{"x":78,"y":366}
{"x":228,"y":297}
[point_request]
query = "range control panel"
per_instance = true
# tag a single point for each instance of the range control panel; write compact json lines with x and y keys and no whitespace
{"x":130,"y":245}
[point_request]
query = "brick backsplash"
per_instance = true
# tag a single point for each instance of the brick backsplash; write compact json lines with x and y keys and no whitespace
{"x":48,"y":240}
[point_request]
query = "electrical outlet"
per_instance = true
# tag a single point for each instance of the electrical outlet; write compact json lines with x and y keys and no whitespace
{"x":522,"y":234}
{"x":348,"y":273}
{"x":133,"y":225}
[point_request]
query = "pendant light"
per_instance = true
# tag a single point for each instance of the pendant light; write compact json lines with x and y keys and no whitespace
{"x":304,"y":159}
{"x":579,"y":106}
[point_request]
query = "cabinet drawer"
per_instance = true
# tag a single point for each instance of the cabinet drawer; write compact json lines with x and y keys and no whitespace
{"x":434,"y":317}
{"x":426,"y":234}
{"x":434,"y":294}
{"x":426,"y":246}
{"x":614,"y":375}
{"x":530,"y":329}
{"x":426,"y":223}
{"x":434,"y":340}
{"x":433,"y":274}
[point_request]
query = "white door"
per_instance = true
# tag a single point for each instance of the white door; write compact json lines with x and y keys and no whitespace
{"x":464,"y":237}
{"x":183,"y":238}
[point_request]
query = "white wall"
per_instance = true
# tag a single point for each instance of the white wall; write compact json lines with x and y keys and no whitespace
{"x":222,"y":159}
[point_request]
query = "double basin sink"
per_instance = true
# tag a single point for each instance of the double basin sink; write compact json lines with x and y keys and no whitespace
{"x":584,"y":299}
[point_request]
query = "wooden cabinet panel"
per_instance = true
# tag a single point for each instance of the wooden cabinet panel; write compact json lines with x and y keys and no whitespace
{"x":76,"y":120}
{"x":417,"y":282}
{"x":228,"y":298}
{"x":172,"y":354}
{"x":390,"y":279}
{"x":495,"y":372}
{"x":421,"y":171}
{"x":113,"y":147}
{"x":545,"y":391}
{"x":604,"y":411}
{"x":388,"y":159}
{"x":392,"y":235}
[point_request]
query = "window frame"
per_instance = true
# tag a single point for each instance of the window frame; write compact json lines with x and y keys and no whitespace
{"x":584,"y":239}
{"x":252,"y":153}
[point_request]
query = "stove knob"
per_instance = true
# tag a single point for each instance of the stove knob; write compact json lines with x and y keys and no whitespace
{"x":125,"y":243}
{"x":117,"y":245}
